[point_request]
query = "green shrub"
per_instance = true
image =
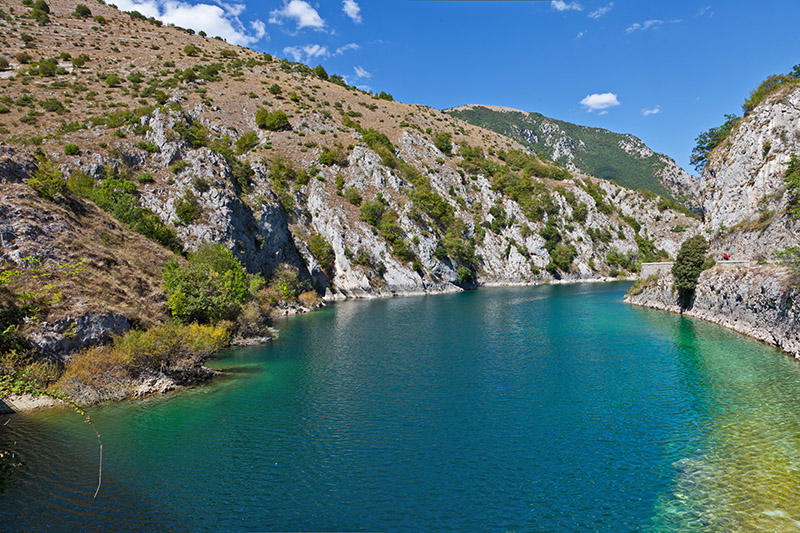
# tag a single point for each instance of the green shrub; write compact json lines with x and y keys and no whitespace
{"x":385,"y":96}
{"x":71,"y":149}
{"x":211,"y":286}
{"x":690,"y":263}
{"x":320,"y":72}
{"x":272,"y":120}
{"x":53,"y":106}
{"x":200,"y":184}
{"x":23,"y":57}
{"x":148,"y":146}
{"x":322,"y":252}
{"x":333,"y":156}
{"x":191,"y":50}
{"x":187,"y":208}
{"x":444,"y":142}
{"x":113,"y":80}
{"x":352,"y":195}
{"x":144,"y":177}
{"x":100,"y":20}
{"x":118,"y":196}
{"x":792,"y":179}
{"x":561,"y":258}
{"x":275,"y":89}
{"x":82,"y":12}
{"x":247,"y":142}
{"x":47,"y":179}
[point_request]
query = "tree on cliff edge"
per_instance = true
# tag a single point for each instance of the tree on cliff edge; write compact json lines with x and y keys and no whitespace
{"x":690,"y":263}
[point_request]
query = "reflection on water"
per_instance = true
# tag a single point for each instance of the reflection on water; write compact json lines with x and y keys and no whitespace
{"x":522,"y":409}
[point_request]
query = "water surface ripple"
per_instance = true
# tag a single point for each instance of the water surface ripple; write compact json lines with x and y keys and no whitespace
{"x":522,"y":409}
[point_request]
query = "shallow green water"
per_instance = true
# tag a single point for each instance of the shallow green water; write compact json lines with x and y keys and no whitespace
{"x":526,"y":409}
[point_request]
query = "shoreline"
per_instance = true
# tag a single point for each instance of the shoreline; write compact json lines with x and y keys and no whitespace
{"x":24,"y":403}
{"x":751,"y":301}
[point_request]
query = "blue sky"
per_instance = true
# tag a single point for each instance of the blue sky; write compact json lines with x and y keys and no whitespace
{"x":663,"y":71}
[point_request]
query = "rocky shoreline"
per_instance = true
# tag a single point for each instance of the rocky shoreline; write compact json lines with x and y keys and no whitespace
{"x":756,"y":301}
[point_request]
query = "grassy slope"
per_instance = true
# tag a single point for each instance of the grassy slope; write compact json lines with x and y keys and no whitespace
{"x":602,"y":157}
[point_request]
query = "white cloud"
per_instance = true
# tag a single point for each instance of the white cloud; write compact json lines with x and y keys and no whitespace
{"x":562,"y":5}
{"x":649,"y":24}
{"x":307,"y":53}
{"x":304,"y":15}
{"x":361,"y":73}
{"x":600,"y":11}
{"x":346,"y":48}
{"x":651,"y":111}
{"x":580,"y":35}
{"x":703,"y":11}
{"x":600,"y":102}
{"x":352,"y":10}
{"x":216,"y":20}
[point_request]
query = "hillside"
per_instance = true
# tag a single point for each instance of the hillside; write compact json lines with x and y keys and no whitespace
{"x":621,"y":158}
{"x":126,"y":143}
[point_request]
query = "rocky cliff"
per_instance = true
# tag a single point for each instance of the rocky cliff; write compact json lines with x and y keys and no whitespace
{"x":743,"y":187}
{"x":747,"y":214}
{"x":761,"y":302}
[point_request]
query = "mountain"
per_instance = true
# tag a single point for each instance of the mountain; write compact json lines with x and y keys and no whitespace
{"x":621,"y":158}
{"x":127,"y":145}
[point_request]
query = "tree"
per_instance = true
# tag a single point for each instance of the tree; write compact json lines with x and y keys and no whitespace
{"x":444,"y":142}
{"x":47,"y":180}
{"x":690,"y":263}
{"x":708,"y":140}
{"x":82,"y":11}
{"x":792,"y":179}
{"x":272,"y":120}
{"x":211,"y":286}
{"x":320,"y":72}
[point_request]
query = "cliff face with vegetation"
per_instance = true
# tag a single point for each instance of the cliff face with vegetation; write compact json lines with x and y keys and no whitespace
{"x":621,"y":158}
{"x":749,"y":194}
{"x":125,"y":144}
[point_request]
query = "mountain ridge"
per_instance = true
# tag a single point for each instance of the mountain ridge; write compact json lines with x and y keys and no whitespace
{"x":619,"y":157}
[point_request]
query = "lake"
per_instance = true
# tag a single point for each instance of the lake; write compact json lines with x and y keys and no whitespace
{"x":553,"y":408}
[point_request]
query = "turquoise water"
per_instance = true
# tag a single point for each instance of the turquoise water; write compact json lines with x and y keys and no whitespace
{"x":523,"y":409}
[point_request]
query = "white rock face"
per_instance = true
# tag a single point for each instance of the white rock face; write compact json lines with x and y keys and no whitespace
{"x":263,"y":234}
{"x":743,"y":189}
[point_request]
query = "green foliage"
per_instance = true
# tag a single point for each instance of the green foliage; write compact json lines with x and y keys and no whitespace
{"x":561,"y":258}
{"x":444,"y":142}
{"x":333,"y":156}
{"x":352,"y":195}
{"x":44,"y":67}
{"x":322,"y":252}
{"x":767,"y":87}
{"x":792,"y":179}
{"x":708,"y":140}
{"x":47,"y":179}
{"x":118,"y":195}
{"x":689,"y":264}
{"x":272,"y":120}
{"x":623,"y":261}
{"x":599,"y":152}
{"x":187,"y":208}
{"x":148,"y":146}
{"x":211,"y":286}
{"x":71,"y":149}
{"x":247,"y":142}
{"x":82,"y":12}
{"x":191,"y":50}
{"x":320,"y":72}
{"x":385,"y":96}
{"x":275,"y":89}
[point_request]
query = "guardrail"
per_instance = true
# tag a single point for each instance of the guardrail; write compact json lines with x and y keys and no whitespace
{"x":665,"y":267}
